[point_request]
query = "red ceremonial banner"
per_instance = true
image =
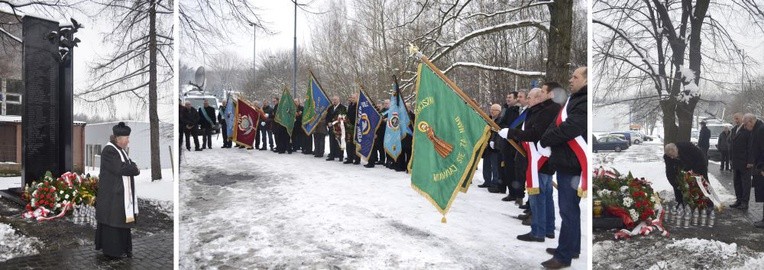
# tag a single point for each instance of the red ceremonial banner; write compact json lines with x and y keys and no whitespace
{"x":245,"y":124}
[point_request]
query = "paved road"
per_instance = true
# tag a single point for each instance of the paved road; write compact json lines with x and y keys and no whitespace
{"x":755,"y":210}
{"x":149,"y":252}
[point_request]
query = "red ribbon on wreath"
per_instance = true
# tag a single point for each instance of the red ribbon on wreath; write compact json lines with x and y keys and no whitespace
{"x":621,"y":213}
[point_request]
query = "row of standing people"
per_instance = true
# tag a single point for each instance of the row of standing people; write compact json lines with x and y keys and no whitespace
{"x":197,"y":122}
{"x":744,"y":145}
{"x":276,"y":138}
{"x":535,"y":119}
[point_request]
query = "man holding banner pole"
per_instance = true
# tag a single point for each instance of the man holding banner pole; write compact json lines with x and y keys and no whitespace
{"x":567,"y":138}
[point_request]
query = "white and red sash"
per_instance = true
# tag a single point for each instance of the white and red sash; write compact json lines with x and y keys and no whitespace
{"x":579,"y":146}
{"x":537,"y":157}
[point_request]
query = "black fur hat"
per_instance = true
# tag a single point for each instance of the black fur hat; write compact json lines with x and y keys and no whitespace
{"x":121,"y":130}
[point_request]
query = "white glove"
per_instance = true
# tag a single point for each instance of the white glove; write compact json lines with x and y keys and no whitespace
{"x":262,"y":124}
{"x":491,"y":144}
{"x":544,"y":151}
{"x":266,"y":115}
{"x":503,"y":132}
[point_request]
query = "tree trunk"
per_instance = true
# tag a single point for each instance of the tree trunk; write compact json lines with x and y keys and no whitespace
{"x":558,"y":43}
{"x":684,"y":112}
{"x":156,"y":166}
{"x":668,"y":107}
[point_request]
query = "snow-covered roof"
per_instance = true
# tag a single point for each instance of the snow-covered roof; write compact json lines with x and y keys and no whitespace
{"x":17,"y":119}
{"x":22,"y":14}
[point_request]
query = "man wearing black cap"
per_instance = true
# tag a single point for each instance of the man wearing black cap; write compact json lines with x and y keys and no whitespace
{"x":116,"y":203}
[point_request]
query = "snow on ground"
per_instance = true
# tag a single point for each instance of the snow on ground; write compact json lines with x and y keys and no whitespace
{"x":15,"y":245}
{"x":646,"y":160}
{"x":259,"y":209}
{"x":665,"y":253}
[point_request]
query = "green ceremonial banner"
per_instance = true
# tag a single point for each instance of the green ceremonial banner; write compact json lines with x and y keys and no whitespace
{"x":287,"y":111}
{"x":449,"y":138}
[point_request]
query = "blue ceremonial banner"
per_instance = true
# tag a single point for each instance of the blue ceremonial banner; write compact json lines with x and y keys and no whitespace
{"x":229,"y":116}
{"x":397,"y":124}
{"x":315,"y":107}
{"x":366,"y":124}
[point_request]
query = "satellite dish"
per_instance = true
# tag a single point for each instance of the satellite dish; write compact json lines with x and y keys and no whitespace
{"x":199,"y":77}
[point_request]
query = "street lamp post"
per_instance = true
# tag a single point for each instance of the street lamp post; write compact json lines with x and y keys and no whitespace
{"x":294,"y":54}
{"x":254,"y":54}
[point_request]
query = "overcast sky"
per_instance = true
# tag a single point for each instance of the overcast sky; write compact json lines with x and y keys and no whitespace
{"x":89,"y":51}
{"x":278,"y":15}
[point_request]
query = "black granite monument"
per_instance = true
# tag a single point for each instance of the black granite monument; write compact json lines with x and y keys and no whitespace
{"x":47,"y":100}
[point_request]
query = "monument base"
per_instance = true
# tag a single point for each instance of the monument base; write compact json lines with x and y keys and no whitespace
{"x":13,"y":195}
{"x":607,"y":222}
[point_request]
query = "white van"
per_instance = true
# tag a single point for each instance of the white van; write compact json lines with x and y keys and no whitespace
{"x":197,"y":99}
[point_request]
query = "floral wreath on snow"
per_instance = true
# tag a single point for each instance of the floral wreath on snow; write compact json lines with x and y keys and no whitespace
{"x":696,"y":191}
{"x":632,"y":200}
{"x":51,"y":198}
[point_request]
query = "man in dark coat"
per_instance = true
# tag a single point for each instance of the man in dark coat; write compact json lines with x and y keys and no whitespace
{"x":756,"y":157}
{"x":741,"y":177}
{"x":319,"y":138}
{"x":507,"y":153}
{"x":304,"y":140}
{"x":334,"y":111}
{"x":116,"y":190}
{"x":265,"y":128}
{"x":541,"y":114}
{"x":182,"y":121}
{"x":191,"y":126}
{"x":565,"y":160}
{"x":520,"y":162}
{"x":723,"y":145}
{"x":207,"y":121}
{"x":683,"y":156}
{"x":491,"y":157}
{"x":352,"y":112}
{"x":280,"y":134}
{"x":703,"y":139}
{"x":298,"y":135}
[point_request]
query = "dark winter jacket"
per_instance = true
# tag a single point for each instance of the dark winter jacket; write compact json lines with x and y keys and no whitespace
{"x":690,"y":159}
{"x":333,"y":112}
{"x":192,"y":119}
{"x":207,"y":124}
{"x":723,"y":143}
{"x":563,"y":158}
{"x":269,"y":111}
{"x":494,"y":137}
{"x":739,"y":147}
{"x":221,"y":117}
{"x":508,"y":115}
{"x":539,"y":118}
{"x":110,"y":200}
{"x":182,"y":117}
{"x":704,"y":137}
{"x":756,"y":144}
{"x":298,"y":121}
